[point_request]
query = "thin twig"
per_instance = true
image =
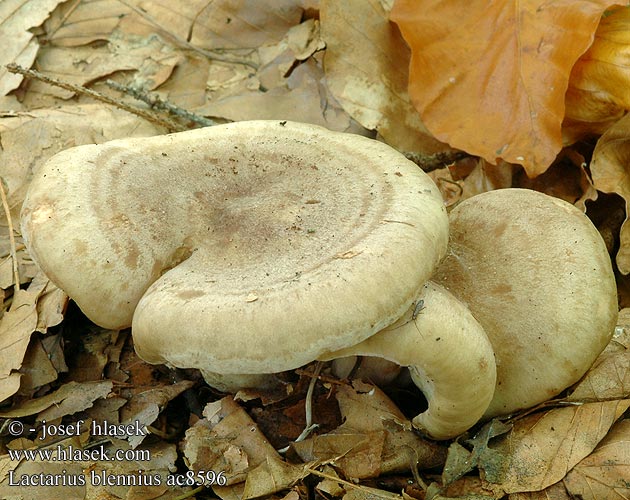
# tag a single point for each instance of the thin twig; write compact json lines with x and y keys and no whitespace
{"x":183,"y":41}
{"x":308,"y":409}
{"x":158,"y":103}
{"x":372,"y":491}
{"x":309,"y":405}
{"x":7,"y":212}
{"x":190,"y":493}
{"x":168,"y":124}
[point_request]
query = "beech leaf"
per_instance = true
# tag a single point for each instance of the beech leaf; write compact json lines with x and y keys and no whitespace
{"x":490,"y":77}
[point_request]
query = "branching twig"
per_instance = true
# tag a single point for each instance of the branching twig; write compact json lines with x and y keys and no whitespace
{"x":167,"y":123}
{"x":428,"y":163}
{"x":157,"y":103}
{"x":7,"y":211}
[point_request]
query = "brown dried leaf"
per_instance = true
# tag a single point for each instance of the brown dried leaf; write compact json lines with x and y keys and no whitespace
{"x":50,"y":307}
{"x":610,"y":168}
{"x":274,"y":92}
{"x":490,"y":78}
{"x":374,"y":439}
{"x":271,"y":476}
{"x":19,"y":45}
{"x":151,"y":59}
{"x":37,"y":368}
{"x":543,"y":447}
{"x":145,"y":407}
{"x":16,"y":327}
{"x":66,"y":400}
{"x":218,"y":24}
{"x":608,"y":379}
{"x":227,"y":440}
{"x":366,"y":70}
{"x":605,"y":472}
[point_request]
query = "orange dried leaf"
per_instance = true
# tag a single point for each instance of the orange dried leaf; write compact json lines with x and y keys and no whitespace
{"x":490,"y":77}
{"x":599,"y":86}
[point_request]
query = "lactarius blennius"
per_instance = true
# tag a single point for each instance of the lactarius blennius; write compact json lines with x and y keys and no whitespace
{"x":243,"y":249}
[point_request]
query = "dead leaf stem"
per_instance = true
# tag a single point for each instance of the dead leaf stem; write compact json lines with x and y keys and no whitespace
{"x":7,"y":212}
{"x":167,"y":123}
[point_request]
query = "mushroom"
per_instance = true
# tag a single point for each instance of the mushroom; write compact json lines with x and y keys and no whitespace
{"x":449,"y":357}
{"x":534,"y":271}
{"x":242,"y":249}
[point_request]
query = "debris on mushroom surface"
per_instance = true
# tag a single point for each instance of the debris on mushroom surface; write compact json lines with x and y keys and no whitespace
{"x":449,"y":357}
{"x":535,"y":272}
{"x":243,"y":249}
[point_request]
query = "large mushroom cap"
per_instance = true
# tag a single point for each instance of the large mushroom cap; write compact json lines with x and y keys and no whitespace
{"x":251,"y":247}
{"x":535,"y":273}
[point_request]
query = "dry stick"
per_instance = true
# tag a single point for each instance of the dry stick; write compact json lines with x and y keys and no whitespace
{"x":7,"y":212}
{"x":157,"y":103}
{"x":170,"y":125}
{"x":428,"y":163}
{"x":184,"y":42}
{"x":371,"y":491}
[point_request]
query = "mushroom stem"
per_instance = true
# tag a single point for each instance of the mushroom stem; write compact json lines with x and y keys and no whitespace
{"x":449,"y":356}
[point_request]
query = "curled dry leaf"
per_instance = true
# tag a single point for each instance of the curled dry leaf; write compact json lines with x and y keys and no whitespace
{"x":599,"y":86}
{"x":610,"y":167}
{"x":491,"y":80}
{"x":542,"y":447}
{"x":18,"y":43}
{"x":228,"y":440}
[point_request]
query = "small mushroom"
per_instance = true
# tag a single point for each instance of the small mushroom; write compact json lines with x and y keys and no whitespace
{"x":449,"y":357}
{"x":242,"y":249}
{"x":534,"y":271}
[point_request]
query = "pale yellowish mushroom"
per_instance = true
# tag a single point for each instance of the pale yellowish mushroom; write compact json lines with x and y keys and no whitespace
{"x":242,"y":249}
{"x":535,"y":273}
